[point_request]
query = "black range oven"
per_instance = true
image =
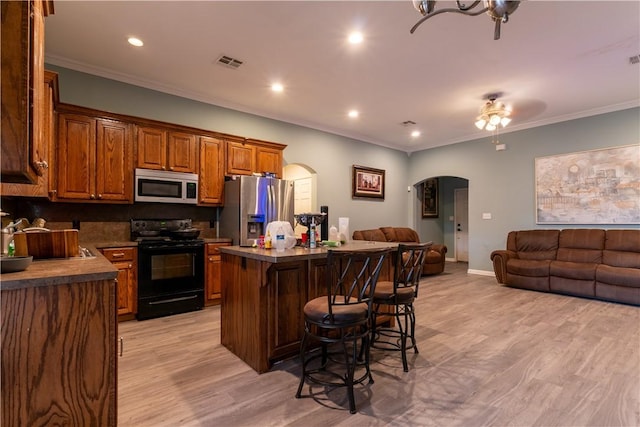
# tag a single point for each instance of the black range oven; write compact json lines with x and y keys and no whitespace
{"x":170,"y":267}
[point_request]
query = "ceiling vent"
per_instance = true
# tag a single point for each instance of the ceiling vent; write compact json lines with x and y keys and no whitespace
{"x":228,"y":61}
{"x":634,"y":59}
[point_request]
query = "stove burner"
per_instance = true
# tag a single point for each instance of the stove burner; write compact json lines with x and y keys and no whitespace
{"x":163,"y":230}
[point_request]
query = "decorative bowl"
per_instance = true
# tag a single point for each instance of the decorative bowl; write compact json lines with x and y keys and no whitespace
{"x":305,"y":219}
{"x":11,"y":264}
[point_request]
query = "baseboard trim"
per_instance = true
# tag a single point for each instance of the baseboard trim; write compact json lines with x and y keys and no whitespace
{"x":480,"y":272}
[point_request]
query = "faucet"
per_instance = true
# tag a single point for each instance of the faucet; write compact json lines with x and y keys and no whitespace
{"x":7,"y":236}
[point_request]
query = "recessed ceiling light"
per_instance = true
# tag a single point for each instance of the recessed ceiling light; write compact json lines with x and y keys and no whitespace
{"x":415,"y":133}
{"x":355,"y":37}
{"x":354,"y":114}
{"x":277,"y":87}
{"x":135,"y":41}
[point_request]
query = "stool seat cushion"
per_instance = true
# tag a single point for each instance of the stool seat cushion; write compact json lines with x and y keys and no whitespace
{"x":317,"y":311}
{"x":384,"y":294}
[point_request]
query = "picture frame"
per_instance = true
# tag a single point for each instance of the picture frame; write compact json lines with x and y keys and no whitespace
{"x":367,"y":182}
{"x":588,"y":187}
{"x":430,"y":198}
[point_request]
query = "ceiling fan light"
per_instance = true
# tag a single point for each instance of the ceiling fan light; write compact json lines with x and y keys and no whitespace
{"x":505,"y":121}
{"x":494,"y":120}
{"x":490,"y":127}
{"x":480,"y":123}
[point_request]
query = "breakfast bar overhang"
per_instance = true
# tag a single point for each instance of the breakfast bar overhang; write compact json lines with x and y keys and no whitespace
{"x":263,"y":295}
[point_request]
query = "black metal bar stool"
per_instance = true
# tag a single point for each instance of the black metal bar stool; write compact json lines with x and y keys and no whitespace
{"x":399,"y":295}
{"x":340,"y":323}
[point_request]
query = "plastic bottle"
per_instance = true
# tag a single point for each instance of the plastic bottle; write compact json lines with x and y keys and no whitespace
{"x":333,"y":234}
{"x":267,"y":240}
{"x":312,"y":235}
{"x":280,"y":242}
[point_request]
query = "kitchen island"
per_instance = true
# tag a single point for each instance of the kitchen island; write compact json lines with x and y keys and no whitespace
{"x":263,"y":295}
{"x":59,"y":343}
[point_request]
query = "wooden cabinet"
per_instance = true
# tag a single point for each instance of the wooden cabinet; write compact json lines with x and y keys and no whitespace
{"x":94,"y":159}
{"x":211,"y":173}
{"x":163,"y":149}
{"x":45,"y":183}
{"x":248,"y":156}
{"x":126,"y":261}
{"x":240,"y":158}
{"x":213,"y":273}
{"x":23,"y":89}
{"x":269,"y":159}
{"x":59,"y":355}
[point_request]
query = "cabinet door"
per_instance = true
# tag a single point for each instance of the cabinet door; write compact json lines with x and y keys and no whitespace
{"x":152,"y":148}
{"x":113,"y":168}
{"x":213,"y":273}
{"x":126,"y":261}
{"x":240,"y":158}
{"x":22,"y":51}
{"x":44,"y":183}
{"x":183,"y":152}
{"x":76,"y":157}
{"x":287,"y":296}
{"x":211,"y":175}
{"x":269,"y":160}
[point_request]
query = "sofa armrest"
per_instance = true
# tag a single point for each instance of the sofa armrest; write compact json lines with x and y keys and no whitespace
{"x":499,"y":259}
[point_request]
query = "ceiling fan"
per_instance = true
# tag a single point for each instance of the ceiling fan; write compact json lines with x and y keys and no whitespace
{"x":498,"y":10}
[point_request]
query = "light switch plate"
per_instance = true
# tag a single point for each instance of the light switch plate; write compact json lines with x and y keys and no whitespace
{"x":486,"y":215}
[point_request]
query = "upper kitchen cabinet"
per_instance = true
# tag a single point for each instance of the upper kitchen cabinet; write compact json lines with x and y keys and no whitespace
{"x":245,"y":157}
{"x":163,"y":149}
{"x":44,"y":185}
{"x":23,"y":90}
{"x":94,"y":159}
{"x":211,"y":174}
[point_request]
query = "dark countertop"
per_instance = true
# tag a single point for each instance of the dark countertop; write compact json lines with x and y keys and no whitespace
{"x":128,"y":243}
{"x":60,"y":271}
{"x":297,"y":253}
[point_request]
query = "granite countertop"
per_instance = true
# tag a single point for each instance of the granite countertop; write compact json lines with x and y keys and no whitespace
{"x":60,"y":271}
{"x":296,"y":253}
{"x":129,"y":243}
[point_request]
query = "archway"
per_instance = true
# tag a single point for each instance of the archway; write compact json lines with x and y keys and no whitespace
{"x":449,"y":224}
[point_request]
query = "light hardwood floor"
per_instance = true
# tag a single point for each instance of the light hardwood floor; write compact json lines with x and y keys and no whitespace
{"x":489,"y":356}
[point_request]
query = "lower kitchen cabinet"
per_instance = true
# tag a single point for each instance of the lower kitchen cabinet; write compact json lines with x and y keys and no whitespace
{"x":213,"y":273}
{"x":59,"y":355}
{"x":126,"y":261}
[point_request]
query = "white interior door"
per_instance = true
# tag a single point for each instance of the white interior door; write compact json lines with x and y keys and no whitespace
{"x":461,"y":213}
{"x":304,"y":192}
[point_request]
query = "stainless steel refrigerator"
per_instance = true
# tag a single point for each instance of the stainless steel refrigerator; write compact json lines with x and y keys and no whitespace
{"x":250,"y":203}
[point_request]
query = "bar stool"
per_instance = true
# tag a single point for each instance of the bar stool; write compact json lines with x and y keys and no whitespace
{"x":340,"y":322}
{"x":399,"y":295}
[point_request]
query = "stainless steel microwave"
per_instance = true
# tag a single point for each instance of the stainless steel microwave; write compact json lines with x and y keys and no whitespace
{"x":166,"y":187}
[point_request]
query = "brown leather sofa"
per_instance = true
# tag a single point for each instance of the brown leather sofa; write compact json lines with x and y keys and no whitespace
{"x":435,"y":259}
{"x":593,"y":263}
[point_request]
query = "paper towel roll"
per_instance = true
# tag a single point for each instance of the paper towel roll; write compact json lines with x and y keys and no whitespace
{"x":343,"y":228}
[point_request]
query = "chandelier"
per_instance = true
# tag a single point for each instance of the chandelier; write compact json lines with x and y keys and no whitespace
{"x":493,"y":114}
{"x":498,"y":10}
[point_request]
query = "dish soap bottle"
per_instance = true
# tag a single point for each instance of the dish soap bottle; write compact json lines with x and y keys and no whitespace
{"x":312,"y":234}
{"x":267,"y":240}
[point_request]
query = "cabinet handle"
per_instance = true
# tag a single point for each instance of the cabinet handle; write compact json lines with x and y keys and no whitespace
{"x":130,"y":265}
{"x":93,"y":196}
{"x":171,"y":168}
{"x":118,"y":255}
{"x":43,"y":164}
{"x":121,"y":346}
{"x":164,"y":168}
{"x":99,"y":196}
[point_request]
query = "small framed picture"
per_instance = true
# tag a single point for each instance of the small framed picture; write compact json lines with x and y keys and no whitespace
{"x":367,"y":182}
{"x":430,"y":198}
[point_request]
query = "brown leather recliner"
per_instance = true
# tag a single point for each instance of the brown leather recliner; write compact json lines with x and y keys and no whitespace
{"x":435,"y":259}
